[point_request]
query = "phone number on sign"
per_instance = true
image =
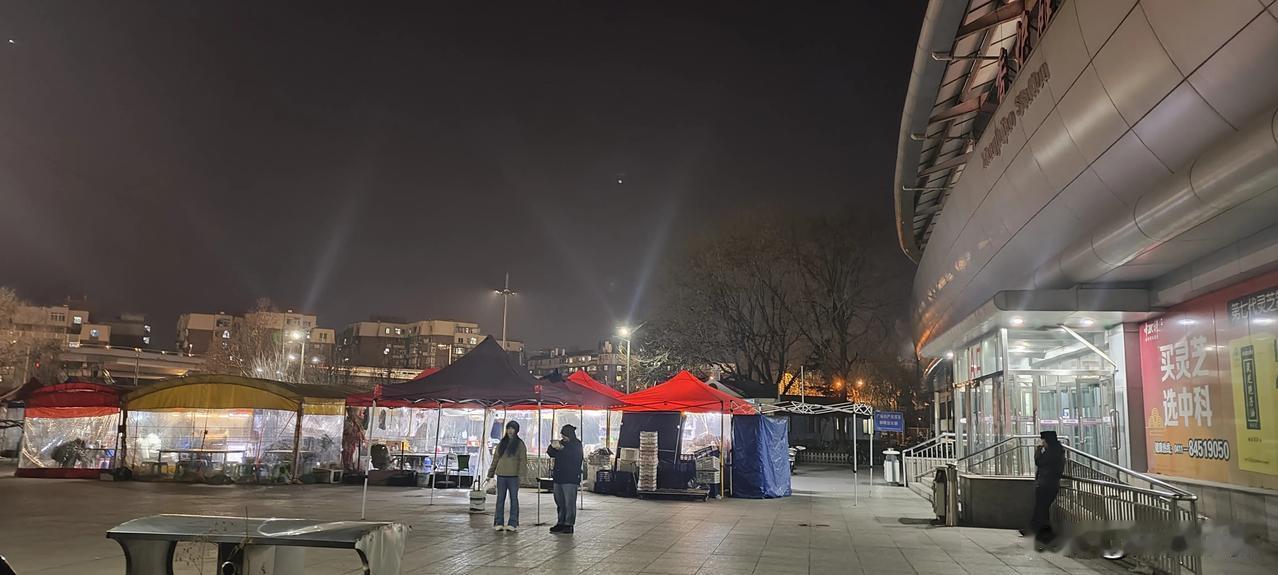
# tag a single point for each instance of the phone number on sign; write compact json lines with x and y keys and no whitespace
{"x":1217,"y":449}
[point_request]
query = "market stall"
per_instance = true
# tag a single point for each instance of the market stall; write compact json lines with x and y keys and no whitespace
{"x":699,"y":454}
{"x":488,"y":380}
{"x":225,"y":428}
{"x":69,"y":431}
{"x":598,"y":429}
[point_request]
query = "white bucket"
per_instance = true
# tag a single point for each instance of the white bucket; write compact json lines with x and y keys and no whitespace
{"x":477,"y":498}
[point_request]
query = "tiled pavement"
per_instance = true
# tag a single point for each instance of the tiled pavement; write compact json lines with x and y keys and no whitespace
{"x":49,"y":526}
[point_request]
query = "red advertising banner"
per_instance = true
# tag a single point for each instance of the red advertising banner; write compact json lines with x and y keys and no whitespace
{"x":1209,"y":369}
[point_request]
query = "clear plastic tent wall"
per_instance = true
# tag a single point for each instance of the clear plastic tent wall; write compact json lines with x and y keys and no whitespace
{"x":261,"y":435}
{"x":55,"y":442}
{"x":704,"y":430}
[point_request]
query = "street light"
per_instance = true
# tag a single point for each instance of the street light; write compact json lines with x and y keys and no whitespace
{"x":505,"y":293}
{"x":625,"y":333}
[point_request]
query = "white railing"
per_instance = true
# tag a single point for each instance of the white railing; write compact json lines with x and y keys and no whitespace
{"x":919,"y":463}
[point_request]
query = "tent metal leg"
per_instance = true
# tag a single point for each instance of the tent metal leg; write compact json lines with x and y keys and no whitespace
{"x":439,"y":418}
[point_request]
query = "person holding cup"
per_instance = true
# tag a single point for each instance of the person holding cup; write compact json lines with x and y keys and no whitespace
{"x":568,"y":456}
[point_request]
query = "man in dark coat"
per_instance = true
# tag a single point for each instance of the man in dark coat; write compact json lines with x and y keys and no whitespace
{"x":1049,"y":463}
{"x":568,"y":456}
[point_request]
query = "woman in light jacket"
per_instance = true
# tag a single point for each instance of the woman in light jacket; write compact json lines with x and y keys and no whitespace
{"x":510,"y":462}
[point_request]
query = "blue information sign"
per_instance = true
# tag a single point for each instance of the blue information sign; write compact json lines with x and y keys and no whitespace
{"x":889,"y":421}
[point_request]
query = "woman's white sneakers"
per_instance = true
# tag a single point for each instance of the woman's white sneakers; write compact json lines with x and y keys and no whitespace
{"x":499,"y":527}
{"x":512,"y":528}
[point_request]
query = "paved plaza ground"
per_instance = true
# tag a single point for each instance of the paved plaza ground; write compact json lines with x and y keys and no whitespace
{"x":58,"y":526}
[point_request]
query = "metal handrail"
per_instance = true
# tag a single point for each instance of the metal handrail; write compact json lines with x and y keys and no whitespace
{"x":1124,"y":486}
{"x":929,"y":443}
{"x":960,"y":461}
{"x":1181,"y":493}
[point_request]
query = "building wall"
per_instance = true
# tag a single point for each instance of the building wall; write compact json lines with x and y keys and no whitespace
{"x":1119,"y":97}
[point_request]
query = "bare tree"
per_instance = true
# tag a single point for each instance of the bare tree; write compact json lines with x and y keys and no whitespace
{"x":25,"y":353}
{"x":727,"y":305}
{"x":841,"y":296}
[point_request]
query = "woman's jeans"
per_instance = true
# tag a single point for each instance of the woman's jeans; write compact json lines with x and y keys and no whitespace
{"x":507,"y":484}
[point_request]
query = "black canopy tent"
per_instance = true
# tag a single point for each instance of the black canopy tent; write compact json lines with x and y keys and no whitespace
{"x":488,"y":377}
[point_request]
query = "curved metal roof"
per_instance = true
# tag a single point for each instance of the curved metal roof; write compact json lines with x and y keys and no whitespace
{"x":968,"y":54}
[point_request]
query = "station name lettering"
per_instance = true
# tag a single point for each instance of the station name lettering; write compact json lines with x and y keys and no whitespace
{"x":1003,"y":126}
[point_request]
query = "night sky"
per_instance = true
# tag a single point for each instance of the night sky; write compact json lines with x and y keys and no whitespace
{"x":387,"y":159}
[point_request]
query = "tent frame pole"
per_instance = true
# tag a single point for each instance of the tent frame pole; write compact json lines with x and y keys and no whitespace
{"x":439,"y":418}
{"x":540,"y":452}
{"x":297,"y":444}
{"x":363,"y":502}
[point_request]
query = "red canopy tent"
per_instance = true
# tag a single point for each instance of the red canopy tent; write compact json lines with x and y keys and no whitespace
{"x":684,"y":392}
{"x":69,"y":430}
{"x":583,"y":379}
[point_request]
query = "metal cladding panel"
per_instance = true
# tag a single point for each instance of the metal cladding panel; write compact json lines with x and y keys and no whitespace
{"x":1170,"y":211}
{"x":1181,"y":111}
{"x":1240,"y":80}
{"x":1056,"y":153}
{"x":1098,"y":20}
{"x":1088,"y":197}
{"x":1030,"y":191}
{"x":1191,"y":30}
{"x":1259,"y":250}
{"x":1244,"y":219}
{"x":1135,"y":69}
{"x":1223,"y":177}
{"x":1129,"y":168}
{"x":1064,"y":50}
{"x":1090,"y":116}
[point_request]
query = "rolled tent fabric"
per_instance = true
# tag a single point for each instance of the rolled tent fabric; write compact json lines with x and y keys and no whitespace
{"x":760,"y":457}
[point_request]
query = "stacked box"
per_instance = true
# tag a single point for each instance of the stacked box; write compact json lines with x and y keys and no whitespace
{"x":708,"y":477}
{"x":707,"y":463}
{"x":648,"y":461}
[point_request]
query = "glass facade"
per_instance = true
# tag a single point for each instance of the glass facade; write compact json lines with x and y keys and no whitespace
{"x":1022,"y":381}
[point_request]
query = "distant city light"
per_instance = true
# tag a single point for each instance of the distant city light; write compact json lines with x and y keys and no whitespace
{"x":623,"y":331}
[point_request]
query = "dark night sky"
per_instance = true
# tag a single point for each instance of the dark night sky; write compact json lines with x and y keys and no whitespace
{"x":373,"y":158}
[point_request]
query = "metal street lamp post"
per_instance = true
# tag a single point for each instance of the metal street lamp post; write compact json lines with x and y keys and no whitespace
{"x":626,"y":333}
{"x":505,"y":293}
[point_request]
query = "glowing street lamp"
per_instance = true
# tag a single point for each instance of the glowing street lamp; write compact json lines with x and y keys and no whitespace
{"x":626,"y":333}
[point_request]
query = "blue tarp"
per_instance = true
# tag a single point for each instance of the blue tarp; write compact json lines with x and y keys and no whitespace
{"x":760,"y":457}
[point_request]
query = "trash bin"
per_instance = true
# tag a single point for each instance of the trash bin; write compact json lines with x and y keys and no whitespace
{"x":891,"y":467}
{"x":938,"y":494}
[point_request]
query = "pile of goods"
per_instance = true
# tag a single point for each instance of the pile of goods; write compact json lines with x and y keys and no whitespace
{"x":647,"y":461}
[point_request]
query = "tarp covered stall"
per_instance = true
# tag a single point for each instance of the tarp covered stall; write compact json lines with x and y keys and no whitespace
{"x":706,"y":415}
{"x":761,"y":457}
{"x":244,"y":429}
{"x":69,"y":431}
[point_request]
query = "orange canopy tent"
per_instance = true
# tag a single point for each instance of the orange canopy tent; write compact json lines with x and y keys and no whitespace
{"x":684,"y":392}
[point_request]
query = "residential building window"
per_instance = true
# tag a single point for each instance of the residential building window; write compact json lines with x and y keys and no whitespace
{"x":399,"y":331}
{"x":388,"y":331}
{"x":146,"y":328}
{"x":460,"y":351}
{"x":57,"y":317}
{"x":75,"y":319}
{"x":474,"y":341}
{"x":461,"y":340}
{"x":93,"y":333}
{"x":291,"y":321}
{"x":618,"y":378}
{"x":226,"y":334}
{"x":146,"y":339}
